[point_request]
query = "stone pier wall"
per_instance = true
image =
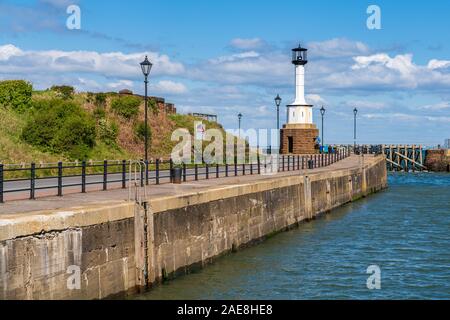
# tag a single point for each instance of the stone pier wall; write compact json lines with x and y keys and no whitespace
{"x":38,"y":252}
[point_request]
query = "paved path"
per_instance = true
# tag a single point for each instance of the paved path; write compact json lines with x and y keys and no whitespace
{"x":91,"y":198}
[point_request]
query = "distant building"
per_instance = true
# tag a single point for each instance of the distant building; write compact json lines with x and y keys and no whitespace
{"x":447,"y":144}
{"x":207,"y":117}
{"x":126,"y":92}
{"x":161,"y":104}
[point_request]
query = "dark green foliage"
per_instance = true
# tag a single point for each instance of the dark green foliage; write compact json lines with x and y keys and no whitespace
{"x":100,"y":99}
{"x":90,"y":97}
{"x":16,"y":94}
{"x":139,"y":131}
{"x":126,"y":106}
{"x":60,"y":126}
{"x":64,"y":92}
{"x":108,"y":131}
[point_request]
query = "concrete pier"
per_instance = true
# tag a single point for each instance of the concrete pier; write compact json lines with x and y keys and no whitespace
{"x":99,"y":245}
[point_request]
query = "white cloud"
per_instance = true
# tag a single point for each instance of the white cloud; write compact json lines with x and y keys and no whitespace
{"x":437,"y":106}
{"x":169,"y":87}
{"x":112,"y":64}
{"x":121,"y":84}
{"x":438,"y":64}
{"x":383,"y":72}
{"x":364,"y":104}
{"x":337,"y":47}
{"x":8,"y":51}
{"x":315,"y":99}
{"x":247,"y":44}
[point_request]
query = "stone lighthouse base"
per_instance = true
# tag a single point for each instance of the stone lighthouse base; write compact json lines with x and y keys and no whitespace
{"x":299,"y":139}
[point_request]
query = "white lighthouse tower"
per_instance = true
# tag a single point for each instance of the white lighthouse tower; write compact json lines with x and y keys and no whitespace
{"x":299,"y":112}
{"x":299,"y":135}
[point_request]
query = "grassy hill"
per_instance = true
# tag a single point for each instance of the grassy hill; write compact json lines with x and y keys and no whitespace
{"x":61,"y":125}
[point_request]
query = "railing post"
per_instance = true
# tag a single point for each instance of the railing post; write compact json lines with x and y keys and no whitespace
{"x":243,"y":168}
{"x":141,"y":173}
{"x":251,"y":167}
{"x":235,"y":167}
{"x":157,"y":171}
{"x":1,"y":182}
{"x":105,"y":175}
{"x":60,"y":172}
{"x":217,"y":171}
{"x":282,"y":161}
{"x":226,"y":170}
{"x":184,"y":172}
{"x":207,"y":171}
{"x":259,"y":163}
{"x":83,"y":177}
{"x":146,"y":172}
{"x":303,"y":162}
{"x":32,"y":180}
{"x":196,"y":172}
{"x":171,"y":170}
{"x":124,"y":173}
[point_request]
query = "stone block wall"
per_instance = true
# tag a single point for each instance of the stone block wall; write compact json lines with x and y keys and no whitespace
{"x":184,"y":232}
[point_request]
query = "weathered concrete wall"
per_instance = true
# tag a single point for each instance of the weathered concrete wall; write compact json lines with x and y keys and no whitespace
{"x":438,"y":160}
{"x":183,"y":232}
{"x":193,"y":235}
{"x":39,"y":266}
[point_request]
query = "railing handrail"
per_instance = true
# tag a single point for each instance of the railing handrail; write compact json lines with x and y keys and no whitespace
{"x":104,"y":176}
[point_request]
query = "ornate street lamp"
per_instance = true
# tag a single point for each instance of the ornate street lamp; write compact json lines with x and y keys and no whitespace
{"x":278,"y":103}
{"x":322,"y":112}
{"x":355,"y":112}
{"x":146,"y":67}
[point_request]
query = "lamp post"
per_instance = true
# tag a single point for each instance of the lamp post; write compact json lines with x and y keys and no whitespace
{"x":322,"y":112}
{"x":355,"y":112}
{"x":278,"y":103}
{"x":146,"y":67}
{"x":240,"y":118}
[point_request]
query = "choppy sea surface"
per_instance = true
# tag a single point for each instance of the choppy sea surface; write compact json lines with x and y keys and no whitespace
{"x":405,"y":231}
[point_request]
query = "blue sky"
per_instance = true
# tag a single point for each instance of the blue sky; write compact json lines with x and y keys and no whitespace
{"x":226,"y":57}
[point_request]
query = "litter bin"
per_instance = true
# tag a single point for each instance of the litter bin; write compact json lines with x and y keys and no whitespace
{"x":310,"y":164}
{"x":176,"y":175}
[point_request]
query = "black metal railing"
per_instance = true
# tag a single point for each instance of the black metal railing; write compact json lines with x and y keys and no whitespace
{"x":33,"y":178}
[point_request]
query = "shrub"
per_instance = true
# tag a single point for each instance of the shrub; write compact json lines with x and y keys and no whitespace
{"x":64,"y":92}
{"x":60,"y":126}
{"x":16,"y":94}
{"x":108,"y":131}
{"x":139,"y":131}
{"x":90,"y":97}
{"x":100,"y":99}
{"x":126,"y":106}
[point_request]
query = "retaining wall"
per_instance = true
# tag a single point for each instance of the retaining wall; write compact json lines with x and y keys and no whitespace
{"x":40,"y":253}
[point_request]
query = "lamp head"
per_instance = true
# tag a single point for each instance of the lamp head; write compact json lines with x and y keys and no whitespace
{"x":146,"y":66}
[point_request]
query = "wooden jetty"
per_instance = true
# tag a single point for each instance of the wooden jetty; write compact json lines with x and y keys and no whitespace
{"x":404,"y":157}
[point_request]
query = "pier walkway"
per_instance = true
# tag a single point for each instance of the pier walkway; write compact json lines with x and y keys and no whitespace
{"x":12,"y":209}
